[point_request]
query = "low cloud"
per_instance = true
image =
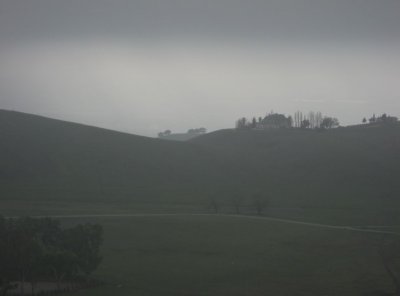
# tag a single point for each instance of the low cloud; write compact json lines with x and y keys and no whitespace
{"x":145,"y":88}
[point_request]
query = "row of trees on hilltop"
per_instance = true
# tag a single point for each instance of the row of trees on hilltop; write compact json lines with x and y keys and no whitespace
{"x":192,"y":131}
{"x":34,"y":250}
{"x":383,"y":119}
{"x":165,"y":133}
{"x":197,"y":131}
{"x":314,"y":120}
{"x":311,"y":120}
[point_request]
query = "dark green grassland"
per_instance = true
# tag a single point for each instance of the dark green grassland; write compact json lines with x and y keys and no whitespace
{"x":235,"y":256}
{"x":346,"y":176}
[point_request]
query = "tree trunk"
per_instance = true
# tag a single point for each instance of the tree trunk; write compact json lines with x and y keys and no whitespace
{"x":22,"y":285}
{"x":57,"y":278}
{"x":58,"y":284}
{"x":33,"y":285}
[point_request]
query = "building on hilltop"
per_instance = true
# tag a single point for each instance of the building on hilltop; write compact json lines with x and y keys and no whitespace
{"x":274,"y":121}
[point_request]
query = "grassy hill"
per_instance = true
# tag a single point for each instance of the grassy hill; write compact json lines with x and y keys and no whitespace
{"x":180,"y":137}
{"x":345,"y":167}
{"x":354,"y":168}
{"x":46,"y":159}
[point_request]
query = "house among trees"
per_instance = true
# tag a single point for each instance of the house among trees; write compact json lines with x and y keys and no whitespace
{"x":274,"y":121}
{"x":312,"y":120}
{"x":383,"y":119}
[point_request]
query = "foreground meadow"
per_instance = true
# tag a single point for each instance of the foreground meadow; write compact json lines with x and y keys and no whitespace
{"x":219,"y":255}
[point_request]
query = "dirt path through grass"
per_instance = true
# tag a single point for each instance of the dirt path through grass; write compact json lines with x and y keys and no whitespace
{"x":365,"y":229}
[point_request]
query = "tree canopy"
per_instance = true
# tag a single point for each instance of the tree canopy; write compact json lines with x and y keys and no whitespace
{"x":300,"y":120}
{"x":37,"y":249}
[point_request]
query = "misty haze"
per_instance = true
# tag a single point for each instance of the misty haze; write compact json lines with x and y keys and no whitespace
{"x":214,"y":147}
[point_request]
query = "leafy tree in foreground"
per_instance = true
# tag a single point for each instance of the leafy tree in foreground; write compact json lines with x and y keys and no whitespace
{"x":36,"y":249}
{"x":62,"y":264}
{"x":26,"y":249}
{"x":7,"y":272}
{"x":85,"y":241}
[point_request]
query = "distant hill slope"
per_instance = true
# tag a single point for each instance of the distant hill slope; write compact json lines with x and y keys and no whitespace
{"x":180,"y":137}
{"x":345,"y":167}
{"x":42,"y":158}
{"x":46,"y":159}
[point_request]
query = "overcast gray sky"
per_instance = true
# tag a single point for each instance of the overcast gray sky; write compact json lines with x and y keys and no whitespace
{"x":145,"y":66}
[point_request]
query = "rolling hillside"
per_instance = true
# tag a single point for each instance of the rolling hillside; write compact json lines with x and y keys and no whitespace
{"x":183,"y":137}
{"x":352,"y":168}
{"x":48,"y":159}
{"x":346,"y":167}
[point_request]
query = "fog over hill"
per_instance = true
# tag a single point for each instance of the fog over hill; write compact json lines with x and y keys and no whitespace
{"x":146,"y":66}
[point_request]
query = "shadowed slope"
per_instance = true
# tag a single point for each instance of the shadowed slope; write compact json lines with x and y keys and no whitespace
{"x":346,"y":167}
{"x":43,"y":158}
{"x":352,"y":168}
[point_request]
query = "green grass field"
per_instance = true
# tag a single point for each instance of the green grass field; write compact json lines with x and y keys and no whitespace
{"x":217,"y":255}
{"x":224,"y":255}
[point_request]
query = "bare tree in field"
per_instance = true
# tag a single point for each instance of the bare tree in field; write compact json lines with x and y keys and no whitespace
{"x":290,"y":121}
{"x":298,"y":118}
{"x":312,"y":119}
{"x":237,"y":201}
{"x":215,"y":205}
{"x":254,"y":123}
{"x":260,"y":203}
{"x":318,"y":119}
